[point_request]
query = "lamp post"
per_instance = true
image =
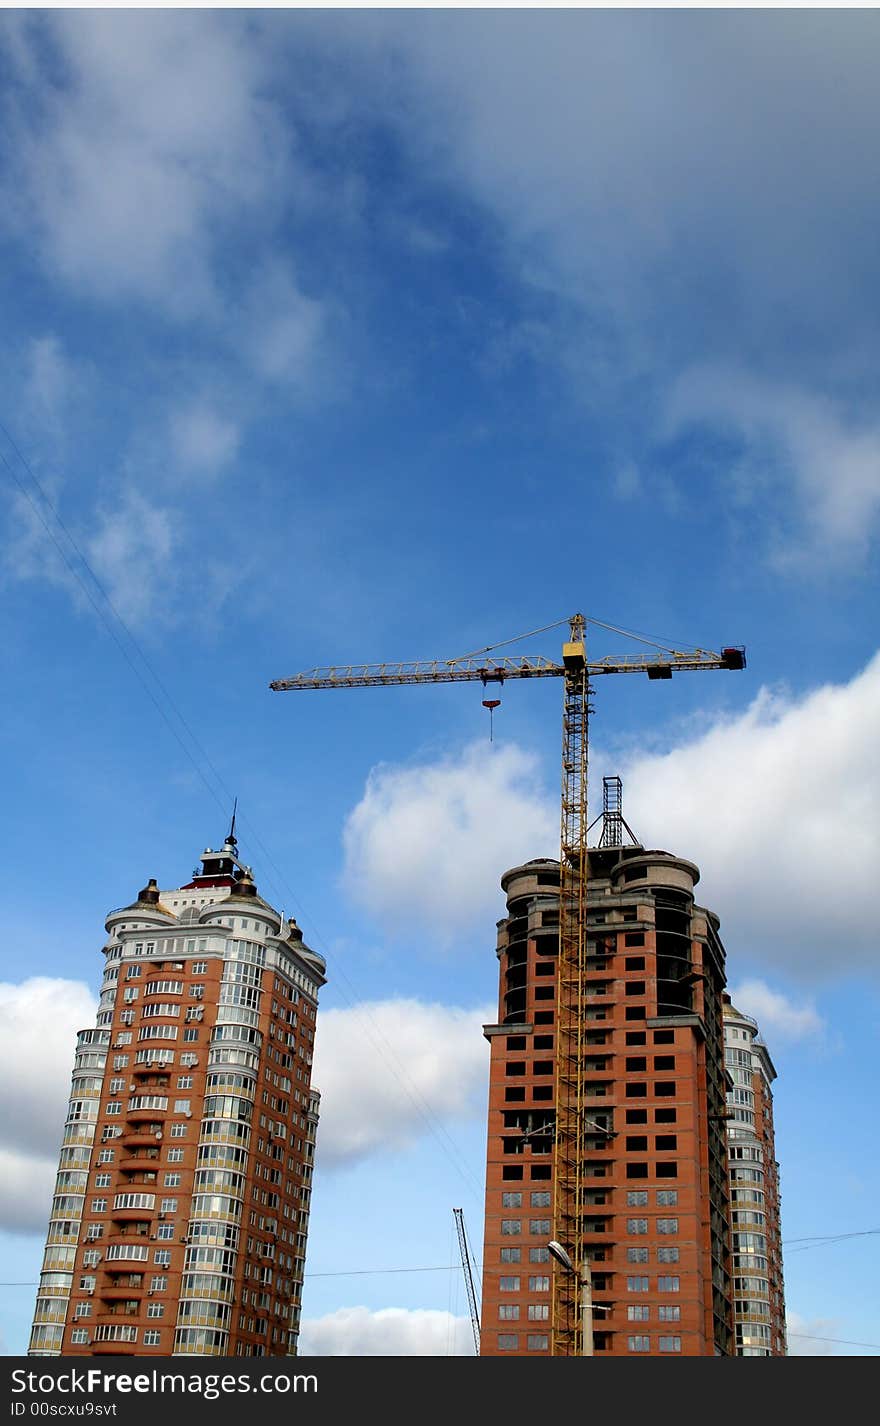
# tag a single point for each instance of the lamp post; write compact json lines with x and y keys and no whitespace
{"x":562,"y":1257}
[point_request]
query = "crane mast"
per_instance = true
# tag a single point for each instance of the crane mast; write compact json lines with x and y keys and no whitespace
{"x":576,"y":671}
{"x":458,"y":1215}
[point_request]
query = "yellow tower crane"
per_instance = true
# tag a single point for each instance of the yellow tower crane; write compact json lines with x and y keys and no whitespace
{"x":575,"y":670}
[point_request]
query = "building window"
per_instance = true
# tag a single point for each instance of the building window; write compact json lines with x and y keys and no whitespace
{"x":184,"y":1081}
{"x":638,"y":1344}
{"x":540,"y":1200}
{"x":102,"y":1180}
{"x":510,"y":1227}
{"x":667,"y":1225}
{"x":99,"y":1205}
{"x":175,"y":1156}
{"x":79,"y":1337}
{"x":166,"y":1231}
{"x":508,"y":1284}
{"x":668,"y":1284}
{"x":539,"y":1284}
{"x":158,"y":1284}
{"x":637,"y":1255}
{"x":178,"y":1131}
{"x":669,"y":1314}
{"x":181,"y":1106}
{"x":539,"y":1226}
{"x":190,"y":1034}
{"x":670,"y":1344}
{"x":114,"y":1108}
{"x":168,"y":1205}
{"x":539,"y":1311}
{"x":172,"y":1180}
{"x":162,"y":1257}
{"x":511,"y":1200}
{"x":106,"y":1156}
{"x":508,"y":1312}
{"x":83,"y":1309}
{"x":510,"y":1255}
{"x":637,"y":1199}
{"x":152,"y":1338}
{"x":537,"y":1343}
{"x":508,"y":1342}
{"x":155,"y":1309}
{"x":638,"y":1312}
{"x":539,"y":1255}
{"x":636,"y":1225}
{"x":667,"y":1198}
{"x":667,"y":1255}
{"x":636,"y":1062}
{"x":637,"y":1284}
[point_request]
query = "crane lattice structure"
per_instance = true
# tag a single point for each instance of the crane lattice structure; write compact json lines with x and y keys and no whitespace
{"x":576,"y":671}
{"x":458,"y":1215}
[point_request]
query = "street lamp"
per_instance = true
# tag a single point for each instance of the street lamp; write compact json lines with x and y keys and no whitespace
{"x":562,"y":1257}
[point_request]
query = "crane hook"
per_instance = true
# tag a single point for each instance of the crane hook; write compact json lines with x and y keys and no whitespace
{"x":491,"y":704}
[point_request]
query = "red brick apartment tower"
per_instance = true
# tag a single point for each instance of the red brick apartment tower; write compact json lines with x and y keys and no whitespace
{"x":655,"y":1199}
{"x":181,"y":1205}
{"x":756,"y":1239}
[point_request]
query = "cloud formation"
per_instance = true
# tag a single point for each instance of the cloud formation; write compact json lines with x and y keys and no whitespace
{"x":389,"y":1332}
{"x":390,"y":1071}
{"x":778,"y":807}
{"x":801,"y":452}
{"x":778,"y":1017}
{"x":425,"y":846}
{"x":39,"y":1066}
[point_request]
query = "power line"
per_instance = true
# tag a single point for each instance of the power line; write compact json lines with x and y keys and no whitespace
{"x":841,"y":1341}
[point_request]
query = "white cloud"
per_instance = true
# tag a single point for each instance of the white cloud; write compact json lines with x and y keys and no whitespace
{"x":389,"y":1332}
{"x":426,"y":845}
{"x":202,"y":438}
{"x":39,"y":1019}
{"x":157,"y":134}
{"x":825,"y":457}
{"x":131,"y":554}
{"x":778,"y":1017}
{"x":281,"y":327}
{"x":807,"y":1336}
{"x":778,"y":806}
{"x":390,"y":1071}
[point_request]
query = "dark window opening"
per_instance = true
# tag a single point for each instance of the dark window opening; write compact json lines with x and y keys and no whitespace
{"x":664,"y":1062}
{"x":544,"y":968}
{"x":543,"y":1091}
{"x":664,"y":1037}
{"x":636,"y":1170}
{"x":636,"y":1062}
{"x":637,"y":1116}
{"x":639,"y":1090}
{"x":635,"y":987}
{"x":635,"y":1012}
{"x":665,"y":1116}
{"x":511,"y":1171}
{"x":666,"y":1141}
{"x":634,"y":963}
{"x":515,"y":1095}
{"x":515,"y":1067}
{"x":544,"y":992}
{"x":544,"y":1017}
{"x":516,"y":1042}
{"x":543,"y":1042}
{"x":541,"y":1171}
{"x":636,"y":1143}
{"x":634,"y":938}
{"x":667,"y":1170}
{"x":665,"y":1088}
{"x":636,"y":1037}
{"x":543,"y":1067}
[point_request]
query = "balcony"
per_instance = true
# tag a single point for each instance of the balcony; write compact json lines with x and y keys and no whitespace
{"x":141,"y":1138}
{"x":145,"y":1116}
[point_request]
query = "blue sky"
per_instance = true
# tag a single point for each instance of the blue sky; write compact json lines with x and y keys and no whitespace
{"x":336,"y":336}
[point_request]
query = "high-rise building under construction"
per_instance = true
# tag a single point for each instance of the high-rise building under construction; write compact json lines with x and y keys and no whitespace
{"x":179,"y":1219}
{"x":655,"y":1204}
